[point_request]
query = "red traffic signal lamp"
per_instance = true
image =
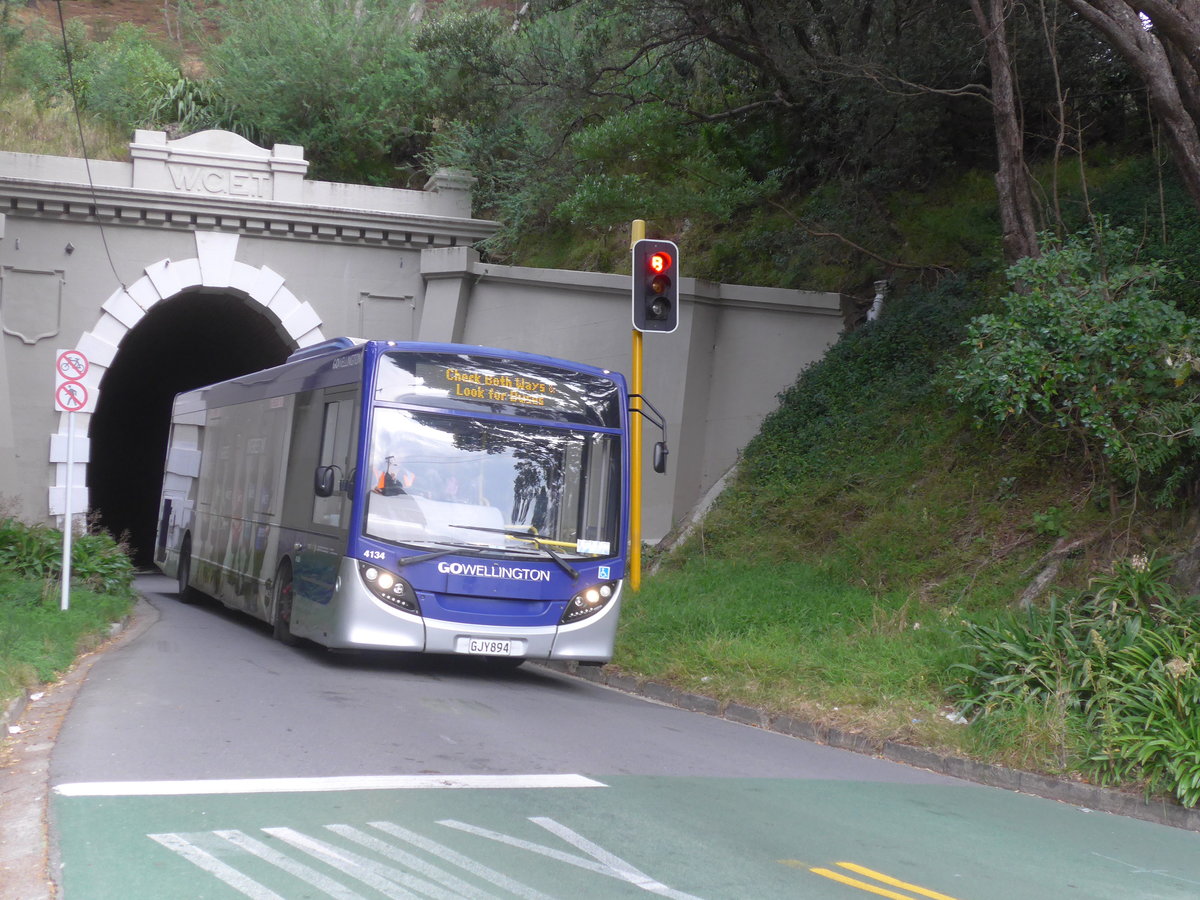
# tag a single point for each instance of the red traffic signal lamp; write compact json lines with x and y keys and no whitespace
{"x":655,"y":286}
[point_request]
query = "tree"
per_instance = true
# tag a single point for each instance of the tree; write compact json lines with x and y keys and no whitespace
{"x":1160,"y":39}
{"x":339,"y":77}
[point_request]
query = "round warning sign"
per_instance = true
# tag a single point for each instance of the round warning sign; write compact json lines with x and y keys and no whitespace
{"x":71,"y":396}
{"x":72,"y":365}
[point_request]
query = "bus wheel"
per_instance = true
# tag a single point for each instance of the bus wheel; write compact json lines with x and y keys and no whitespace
{"x":187,"y":594}
{"x":281,"y":615}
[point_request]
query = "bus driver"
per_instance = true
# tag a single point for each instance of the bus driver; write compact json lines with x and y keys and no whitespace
{"x":395,"y":478}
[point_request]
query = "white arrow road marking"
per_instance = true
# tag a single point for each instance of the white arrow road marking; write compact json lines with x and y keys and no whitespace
{"x":610,"y":865}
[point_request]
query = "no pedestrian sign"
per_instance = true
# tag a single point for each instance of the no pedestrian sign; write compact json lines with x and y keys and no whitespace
{"x":70,"y":394}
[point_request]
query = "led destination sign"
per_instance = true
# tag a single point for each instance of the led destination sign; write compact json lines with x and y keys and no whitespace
{"x":500,"y":386}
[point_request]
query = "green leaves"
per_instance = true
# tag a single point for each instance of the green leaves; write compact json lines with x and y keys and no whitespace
{"x":1120,"y":660}
{"x":1086,"y":344}
{"x":35,"y":551}
{"x":340,"y":78}
{"x":115,"y":79}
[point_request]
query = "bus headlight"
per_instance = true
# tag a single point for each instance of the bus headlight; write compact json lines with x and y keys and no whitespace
{"x":588,"y":602}
{"x":389,"y":587}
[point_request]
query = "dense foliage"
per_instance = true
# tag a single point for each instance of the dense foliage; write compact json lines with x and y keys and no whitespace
{"x":35,"y":551}
{"x":1086,"y":343}
{"x":1116,"y":666}
{"x":117,"y":79}
{"x":340,"y":79}
{"x":579,"y":115}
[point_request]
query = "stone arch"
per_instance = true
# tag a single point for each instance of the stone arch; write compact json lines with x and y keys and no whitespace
{"x":214,"y":267}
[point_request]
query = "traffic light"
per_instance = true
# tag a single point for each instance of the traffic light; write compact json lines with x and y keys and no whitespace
{"x":655,"y":286}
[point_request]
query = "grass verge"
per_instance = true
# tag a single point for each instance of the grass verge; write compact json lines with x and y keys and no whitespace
{"x":38,"y":640}
{"x":789,"y":638}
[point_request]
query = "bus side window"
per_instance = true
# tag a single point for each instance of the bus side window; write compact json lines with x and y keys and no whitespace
{"x":335,"y":445}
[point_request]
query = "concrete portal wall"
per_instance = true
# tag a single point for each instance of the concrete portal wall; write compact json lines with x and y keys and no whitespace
{"x":81,"y":263}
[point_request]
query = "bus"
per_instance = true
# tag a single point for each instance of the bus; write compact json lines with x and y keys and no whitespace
{"x":430,"y":498}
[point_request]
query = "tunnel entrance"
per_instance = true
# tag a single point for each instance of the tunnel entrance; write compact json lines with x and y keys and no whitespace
{"x":193,"y":339}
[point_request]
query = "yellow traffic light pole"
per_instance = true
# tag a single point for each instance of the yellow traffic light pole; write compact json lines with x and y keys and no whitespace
{"x":637,"y":233}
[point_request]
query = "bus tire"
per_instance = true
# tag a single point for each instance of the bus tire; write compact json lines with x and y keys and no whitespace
{"x":281,"y":607}
{"x":186,"y":593}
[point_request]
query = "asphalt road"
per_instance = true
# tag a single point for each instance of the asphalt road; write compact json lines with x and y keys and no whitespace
{"x":203,"y":759}
{"x":206,"y":693}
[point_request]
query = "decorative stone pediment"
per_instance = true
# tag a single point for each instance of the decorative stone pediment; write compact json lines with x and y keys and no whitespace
{"x":217,"y":164}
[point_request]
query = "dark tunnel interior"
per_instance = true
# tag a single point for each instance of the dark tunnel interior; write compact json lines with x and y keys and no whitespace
{"x":182,"y":343}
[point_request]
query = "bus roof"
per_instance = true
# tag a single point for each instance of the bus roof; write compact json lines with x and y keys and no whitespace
{"x":318,"y":361}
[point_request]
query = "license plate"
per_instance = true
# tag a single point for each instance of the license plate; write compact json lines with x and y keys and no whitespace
{"x":489,"y":647}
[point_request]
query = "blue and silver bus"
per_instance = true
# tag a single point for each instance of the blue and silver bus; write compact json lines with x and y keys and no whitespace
{"x":435,"y":498}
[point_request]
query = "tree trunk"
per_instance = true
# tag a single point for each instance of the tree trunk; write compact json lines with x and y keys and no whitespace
{"x":1017,"y":220}
{"x":1176,"y":33}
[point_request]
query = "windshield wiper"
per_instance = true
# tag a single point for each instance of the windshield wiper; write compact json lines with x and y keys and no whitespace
{"x":532,"y":537}
{"x":464,"y":549}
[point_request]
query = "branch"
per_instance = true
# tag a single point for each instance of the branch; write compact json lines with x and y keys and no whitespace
{"x":811,"y":232}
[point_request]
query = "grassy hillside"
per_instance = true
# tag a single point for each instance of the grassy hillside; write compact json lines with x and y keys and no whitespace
{"x":884,"y":560}
{"x":868,"y":519}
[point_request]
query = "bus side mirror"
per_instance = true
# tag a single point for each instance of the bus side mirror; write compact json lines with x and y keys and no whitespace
{"x":646,"y":408}
{"x":323,"y":481}
{"x":660,"y":457}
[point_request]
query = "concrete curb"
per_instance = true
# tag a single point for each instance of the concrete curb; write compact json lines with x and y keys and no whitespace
{"x":13,"y":712}
{"x":1086,"y":796}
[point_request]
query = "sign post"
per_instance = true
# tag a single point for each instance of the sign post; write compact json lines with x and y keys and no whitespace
{"x":70,"y":396}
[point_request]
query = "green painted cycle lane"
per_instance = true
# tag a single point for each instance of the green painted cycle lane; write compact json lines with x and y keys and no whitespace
{"x":616,"y":837}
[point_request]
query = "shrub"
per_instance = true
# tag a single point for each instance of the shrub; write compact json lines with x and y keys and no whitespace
{"x":343,"y":80}
{"x":35,"y":551}
{"x":1087,"y":345}
{"x":1050,"y":655}
{"x":191,"y":106}
{"x":40,"y":65}
{"x":117,"y":79}
{"x":124,"y":75}
{"x":1120,"y":662}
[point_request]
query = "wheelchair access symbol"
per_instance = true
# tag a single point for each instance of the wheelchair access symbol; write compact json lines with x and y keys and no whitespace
{"x":70,"y":394}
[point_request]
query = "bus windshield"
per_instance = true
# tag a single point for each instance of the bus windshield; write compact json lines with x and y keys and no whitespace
{"x":443,"y":479}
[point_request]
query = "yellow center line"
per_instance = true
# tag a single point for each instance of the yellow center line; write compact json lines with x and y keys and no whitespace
{"x":894,"y":882}
{"x":878,"y":876}
{"x":861,"y":885}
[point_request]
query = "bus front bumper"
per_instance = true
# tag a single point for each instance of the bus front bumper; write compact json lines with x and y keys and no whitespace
{"x":363,"y":621}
